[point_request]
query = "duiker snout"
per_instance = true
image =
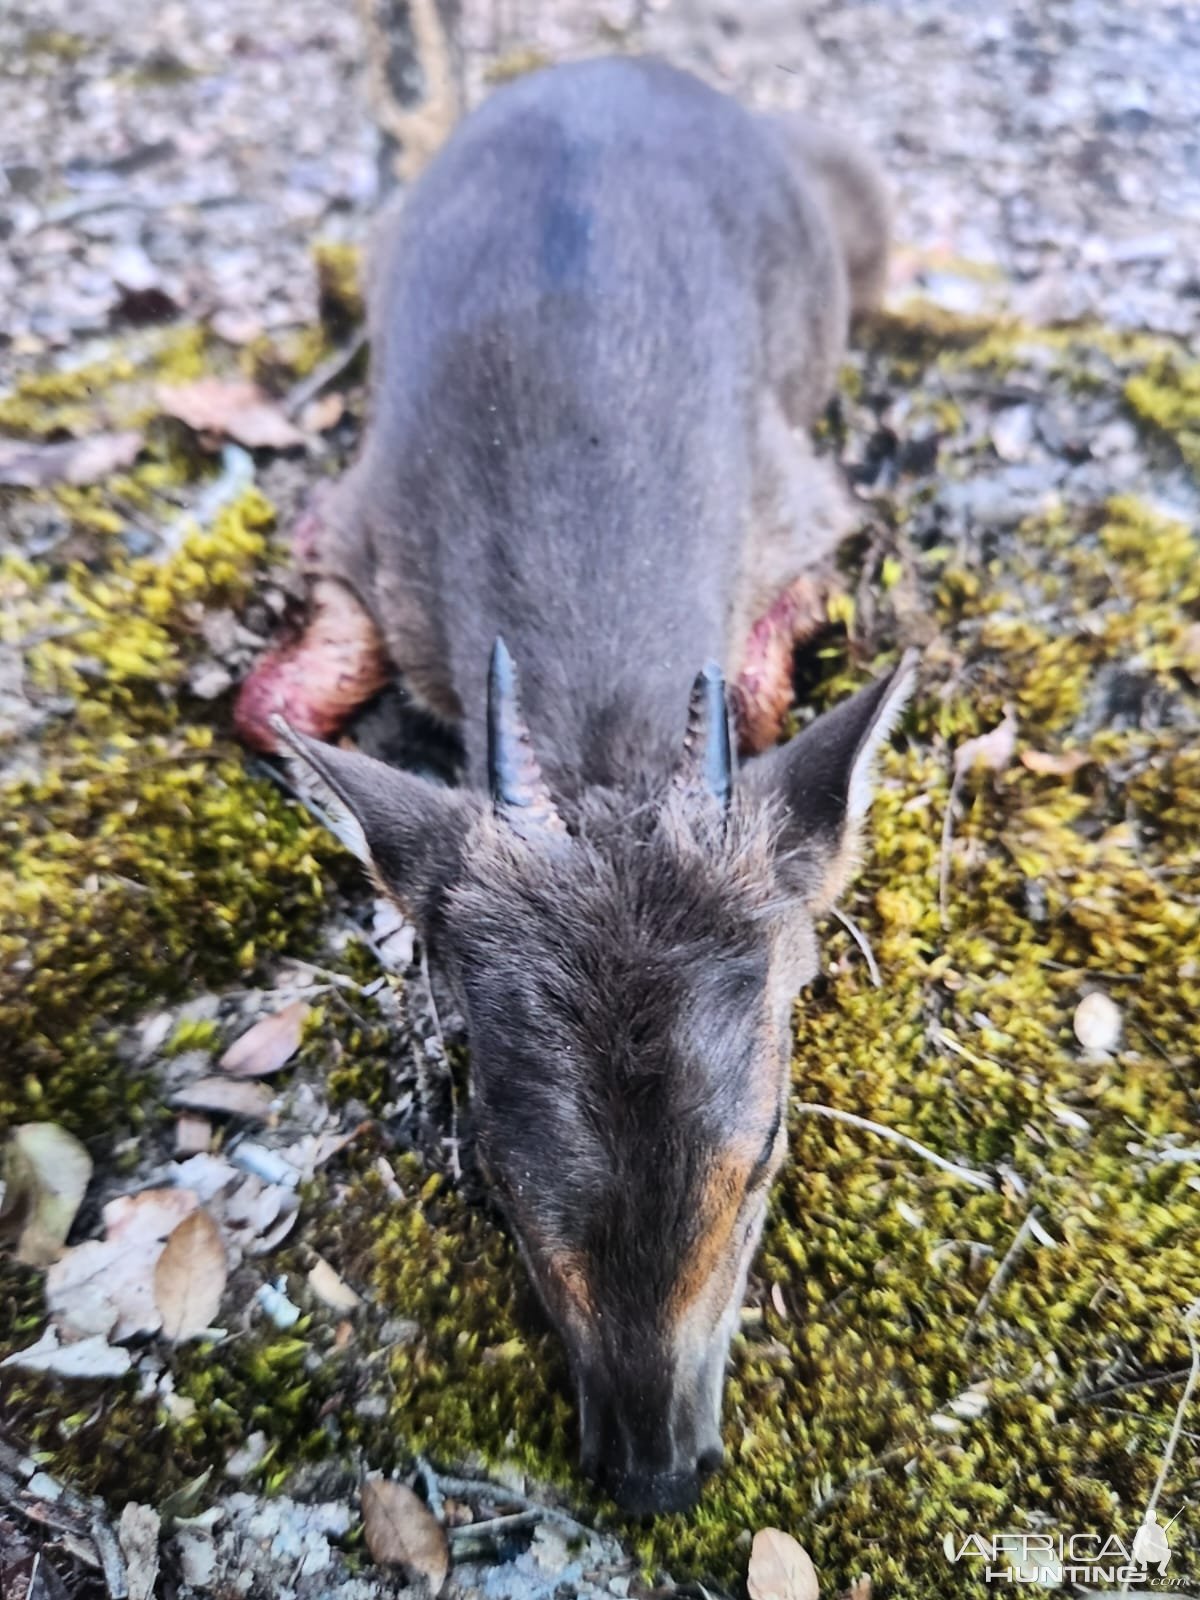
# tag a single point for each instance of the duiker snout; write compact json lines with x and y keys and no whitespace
{"x":650,"y":1438}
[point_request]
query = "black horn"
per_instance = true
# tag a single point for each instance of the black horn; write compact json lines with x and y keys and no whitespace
{"x":519,"y":791}
{"x":707,"y":764}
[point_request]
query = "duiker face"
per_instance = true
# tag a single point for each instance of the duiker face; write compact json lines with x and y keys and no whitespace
{"x":627,"y":983}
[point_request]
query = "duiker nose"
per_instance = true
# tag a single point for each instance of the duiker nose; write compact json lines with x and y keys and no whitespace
{"x":652,"y":1494}
{"x":648,"y":1467}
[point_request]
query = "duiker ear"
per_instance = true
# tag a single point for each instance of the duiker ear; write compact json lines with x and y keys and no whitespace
{"x":823,"y":781}
{"x":410,"y":832}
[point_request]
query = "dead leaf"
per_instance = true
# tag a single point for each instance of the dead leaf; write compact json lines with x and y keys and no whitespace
{"x":106,"y":1286}
{"x":151,"y":1214}
{"x":329,"y":1287}
{"x":1047,"y":764}
{"x":401,"y":1530}
{"x":238,"y":410}
{"x":860,"y":1589}
{"x":1097,"y":1022}
{"x":75,"y":461}
{"x":87,"y":1358}
{"x":269,"y":1045}
{"x":993,"y":751}
{"x":189,"y":1278}
{"x":780,"y":1568}
{"x":320,"y":415}
{"x":137,"y":1532}
{"x":193,"y":1135}
{"x":46,"y":1174}
{"x":236,"y":1099}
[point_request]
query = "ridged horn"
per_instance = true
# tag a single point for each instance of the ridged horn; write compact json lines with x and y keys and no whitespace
{"x":707,"y":763}
{"x":519,"y":792}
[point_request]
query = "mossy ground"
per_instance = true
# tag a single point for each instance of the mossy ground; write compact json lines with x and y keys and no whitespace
{"x":140,"y":858}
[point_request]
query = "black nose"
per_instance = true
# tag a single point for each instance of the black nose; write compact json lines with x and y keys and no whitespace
{"x":653,"y":1494}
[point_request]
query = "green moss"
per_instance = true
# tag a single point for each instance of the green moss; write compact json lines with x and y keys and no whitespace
{"x":138,"y":856}
{"x":1167,"y":397}
{"x":339,"y":286}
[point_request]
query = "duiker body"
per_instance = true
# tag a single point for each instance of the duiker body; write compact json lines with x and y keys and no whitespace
{"x":595,"y":325}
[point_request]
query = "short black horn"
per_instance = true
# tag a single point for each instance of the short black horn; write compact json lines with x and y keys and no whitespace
{"x":707,"y":764}
{"x":519,"y":791}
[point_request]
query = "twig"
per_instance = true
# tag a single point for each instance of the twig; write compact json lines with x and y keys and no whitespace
{"x":492,"y":1529}
{"x":947,"y":841}
{"x":980,"y":1180}
{"x":863,"y":943}
{"x":476,"y":1489}
{"x":109,"y":1551}
{"x":1002,"y":1273}
{"x":1189,"y":1318}
{"x":326,"y":373}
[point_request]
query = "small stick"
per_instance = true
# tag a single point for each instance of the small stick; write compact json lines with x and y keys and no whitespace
{"x":325,"y":374}
{"x":979,"y":1180}
{"x":1003,"y":1271}
{"x":863,"y":943}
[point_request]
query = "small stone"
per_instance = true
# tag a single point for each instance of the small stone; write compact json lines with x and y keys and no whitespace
{"x":1098,"y":1022}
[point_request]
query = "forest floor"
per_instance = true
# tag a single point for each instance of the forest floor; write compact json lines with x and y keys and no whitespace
{"x":279,"y":1283}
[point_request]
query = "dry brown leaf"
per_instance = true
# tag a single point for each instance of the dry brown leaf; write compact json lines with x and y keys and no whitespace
{"x":780,"y":1568}
{"x":332,"y":1289}
{"x":269,"y":1045}
{"x":189,"y":1278}
{"x":319,"y":416}
{"x":1050,"y":765}
{"x":74,"y":461}
{"x":993,"y":750}
{"x":151,"y":1214}
{"x":401,"y":1530}
{"x":106,"y":1286}
{"x":46,"y":1174}
{"x":236,"y":1098}
{"x":236,"y":410}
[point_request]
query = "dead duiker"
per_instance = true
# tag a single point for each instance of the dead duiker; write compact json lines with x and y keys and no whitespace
{"x":596,"y":324}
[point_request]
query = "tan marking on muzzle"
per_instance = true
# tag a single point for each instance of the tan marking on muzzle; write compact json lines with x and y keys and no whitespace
{"x":719,"y":1203}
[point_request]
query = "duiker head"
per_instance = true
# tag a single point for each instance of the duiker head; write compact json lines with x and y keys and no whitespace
{"x":626,"y":964}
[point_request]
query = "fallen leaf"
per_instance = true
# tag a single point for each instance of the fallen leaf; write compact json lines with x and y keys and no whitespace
{"x":87,"y":1358}
{"x":150,"y":1214}
{"x":1061,"y":765}
{"x":1097,"y":1022}
{"x":137,"y":1532}
{"x":780,"y":1568}
{"x":269,"y":1045}
{"x":236,"y":410}
{"x":860,"y":1589}
{"x":319,"y":416}
{"x":74,"y":461}
{"x":189,"y":1278}
{"x":106,"y":1286}
{"x":993,"y":751}
{"x":401,"y":1530}
{"x":193,"y":1135}
{"x":329,"y":1287}
{"x":46,"y":1174}
{"x":237,"y":1099}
